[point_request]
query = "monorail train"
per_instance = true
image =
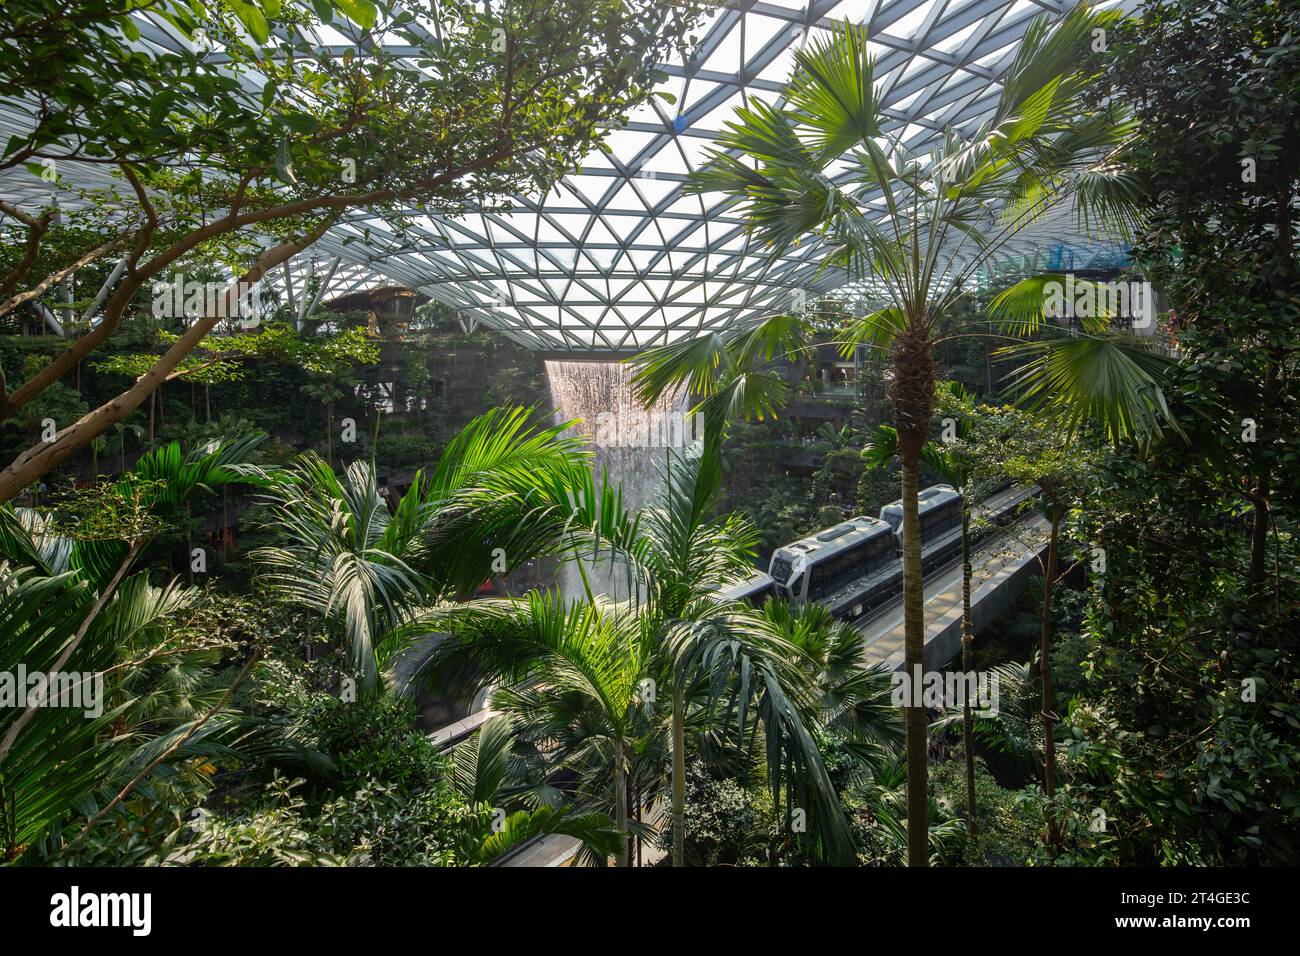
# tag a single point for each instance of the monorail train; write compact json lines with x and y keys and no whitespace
{"x":856,"y":566}
{"x":940,"y":512}
{"x":849,"y":568}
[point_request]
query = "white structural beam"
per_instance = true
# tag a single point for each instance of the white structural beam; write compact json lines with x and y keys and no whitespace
{"x":618,"y":257}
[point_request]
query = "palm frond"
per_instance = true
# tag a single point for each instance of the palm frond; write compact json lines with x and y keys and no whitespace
{"x":1020,"y":309}
{"x":881,"y":448}
{"x":64,"y":751}
{"x":1023,"y":308}
{"x":596,"y":831}
{"x":878,"y":328}
{"x":832,"y":91}
{"x":1111,"y":380}
{"x":481,"y":763}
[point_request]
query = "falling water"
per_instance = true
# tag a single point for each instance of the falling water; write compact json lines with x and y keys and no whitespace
{"x":629,"y":445}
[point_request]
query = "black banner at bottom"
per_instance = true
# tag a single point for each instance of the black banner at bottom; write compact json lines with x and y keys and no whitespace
{"x":144,"y":906}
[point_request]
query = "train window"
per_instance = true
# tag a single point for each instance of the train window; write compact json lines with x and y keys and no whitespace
{"x":930,"y":521}
{"x":892,"y":515}
{"x":883,"y":551}
{"x":941,"y":518}
{"x":834,"y":573}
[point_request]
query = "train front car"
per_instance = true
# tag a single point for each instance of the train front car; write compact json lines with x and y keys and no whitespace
{"x":788,"y":571}
{"x":940,"y":512}
{"x":847,"y":568}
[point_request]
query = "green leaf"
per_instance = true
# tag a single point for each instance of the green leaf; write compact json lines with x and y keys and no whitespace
{"x":284,"y":163}
{"x":361,"y":12}
{"x":252,"y":19}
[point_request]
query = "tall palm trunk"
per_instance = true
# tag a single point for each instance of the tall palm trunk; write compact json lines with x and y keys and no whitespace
{"x":679,"y":778}
{"x":634,"y":816}
{"x":967,"y":665}
{"x":912,"y":394}
{"x":620,"y":807}
{"x":1045,"y":669}
{"x":918,"y":797}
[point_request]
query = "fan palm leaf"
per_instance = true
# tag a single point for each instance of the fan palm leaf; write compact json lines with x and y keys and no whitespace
{"x":1113,"y":381}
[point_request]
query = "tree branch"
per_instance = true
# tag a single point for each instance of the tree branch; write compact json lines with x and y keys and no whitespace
{"x":39,"y":459}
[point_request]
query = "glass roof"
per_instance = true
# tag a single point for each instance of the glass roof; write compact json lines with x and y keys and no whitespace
{"x":617,"y":258}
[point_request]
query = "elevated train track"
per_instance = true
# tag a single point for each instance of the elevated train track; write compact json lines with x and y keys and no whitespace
{"x":855,"y":568}
{"x":1001,"y":567}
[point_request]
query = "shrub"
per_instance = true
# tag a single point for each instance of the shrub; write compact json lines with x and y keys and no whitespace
{"x":721,"y":820}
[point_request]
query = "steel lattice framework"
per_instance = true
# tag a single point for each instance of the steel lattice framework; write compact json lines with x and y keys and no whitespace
{"x":617,"y":258}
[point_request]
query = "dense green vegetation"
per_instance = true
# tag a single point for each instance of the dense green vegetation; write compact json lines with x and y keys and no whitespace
{"x":273,"y":558}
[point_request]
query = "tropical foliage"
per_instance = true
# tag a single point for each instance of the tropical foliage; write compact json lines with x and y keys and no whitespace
{"x":443,"y":638}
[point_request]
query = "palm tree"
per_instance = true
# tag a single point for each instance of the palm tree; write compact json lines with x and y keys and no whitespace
{"x":854,"y":699}
{"x":212,"y":466}
{"x":914,"y":229}
{"x":61,"y":756}
{"x":152,"y":701}
{"x":550,"y":658}
{"x":746,"y":665}
{"x":1017,"y":728}
{"x":957,"y":470}
{"x":677,"y":555}
{"x":347,"y":558}
{"x":884,"y":791}
{"x":684,"y":555}
{"x":368,"y":569}
{"x":581,"y":678}
{"x":1014,"y":730}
